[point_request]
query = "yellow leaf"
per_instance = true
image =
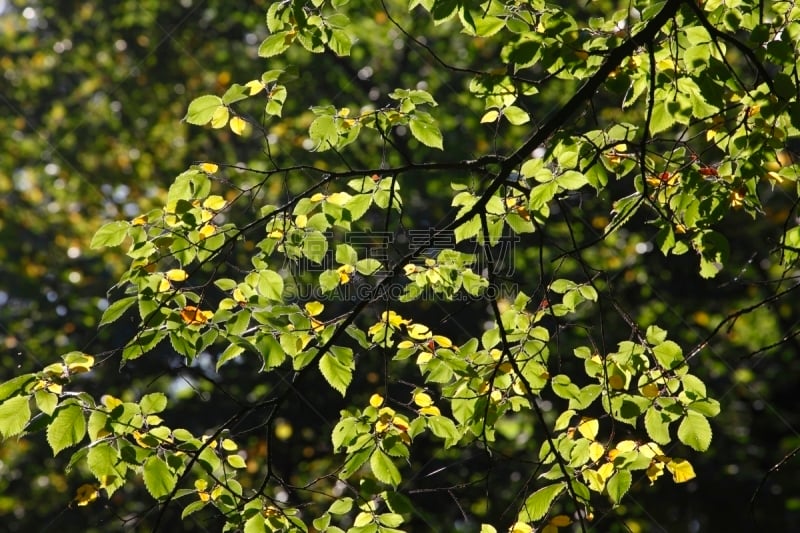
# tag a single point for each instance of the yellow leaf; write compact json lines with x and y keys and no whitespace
{"x":520,"y":527}
{"x":254,"y":87}
{"x":376,"y":400}
{"x":386,"y":413}
{"x":593,"y":480}
{"x":110,"y":402}
{"x":344,"y":273}
{"x":400,"y":423}
{"x":409,"y":269}
{"x":210,"y":168}
{"x":419,"y":332}
{"x":141,"y":220}
{"x":519,"y":387}
{"x":275,"y":234}
{"x":654,"y":471}
{"x":393,"y":319}
{"x":216,"y":492}
{"x":314,"y":308}
{"x":362,"y":519}
{"x":681,"y":470}
{"x":238,"y":295}
{"x":606,"y":471}
{"x":588,"y":427}
{"x":561,"y":520}
{"x":220,"y":117}
{"x":424,"y":358}
{"x":237,"y":125}
{"x":301,"y":221}
{"x":317,"y":197}
{"x":596,"y":451}
{"x":430,"y":410}
{"x":405,"y":344}
{"x":200,"y":484}
{"x":215,"y":202}
{"x":444,"y":342}
{"x":207,"y":231}
{"x":176,"y":274}
{"x":194,"y":316}
{"x":229,"y":445}
{"x":86,"y":494}
{"x":626,"y":445}
{"x":490,"y":116}
{"x":651,"y":449}
{"x":338,"y":198}
{"x":650,"y":390}
{"x":423,"y":399}
{"x":616,"y":382}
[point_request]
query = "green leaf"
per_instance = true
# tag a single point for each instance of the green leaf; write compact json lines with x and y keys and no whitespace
{"x":143,"y":343}
{"x":618,"y":485}
{"x":384,"y":469}
{"x":153,"y":403}
{"x":423,"y":127}
{"x":18,"y":385}
{"x":341,"y":506}
{"x":538,"y":504}
{"x":45,"y":401}
{"x":202,"y":109}
{"x":270,"y":285}
{"x":657,"y":425}
{"x":669,"y":355}
{"x":14,"y":414}
{"x":337,"y":374}
{"x":236,"y":461}
{"x":275,"y":44}
{"x":662,"y":119}
{"x":444,"y":428}
{"x":572,"y":180}
{"x":368,"y":266}
{"x":104,"y":462}
{"x":158,"y":479}
{"x":255,"y":524}
{"x":346,"y":254}
{"x":231,"y":352}
{"x":564,"y":388}
{"x":315,"y":246}
{"x":695,"y":431}
{"x":542,"y":194}
{"x":111,"y":234}
{"x":340,"y":42}
{"x":354,"y":461}
{"x":116,"y":310}
{"x":323,"y":132}
{"x":67,"y":428}
{"x":516,"y":115}
{"x":192,"y":508}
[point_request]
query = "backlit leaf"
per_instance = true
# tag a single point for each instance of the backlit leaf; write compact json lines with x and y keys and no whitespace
{"x":695,"y":431}
{"x":14,"y":414}
{"x":202,"y":109}
{"x":67,"y":428}
{"x":158,"y":479}
{"x":538,"y":504}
